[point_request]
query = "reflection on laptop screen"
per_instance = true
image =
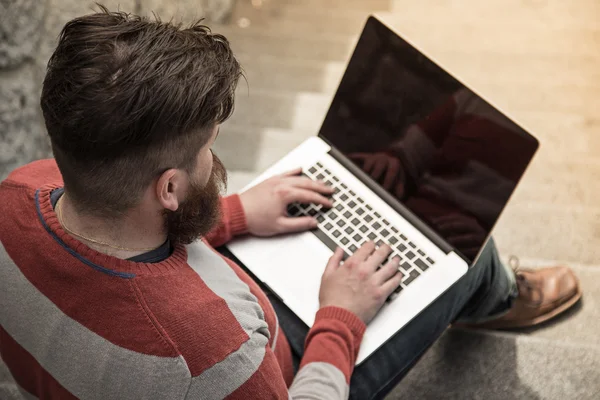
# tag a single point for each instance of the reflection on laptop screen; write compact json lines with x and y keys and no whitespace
{"x":444,"y":152}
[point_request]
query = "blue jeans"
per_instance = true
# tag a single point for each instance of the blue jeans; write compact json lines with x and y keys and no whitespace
{"x":486,"y":291}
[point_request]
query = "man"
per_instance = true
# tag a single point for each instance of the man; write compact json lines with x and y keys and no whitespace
{"x":109,"y":282}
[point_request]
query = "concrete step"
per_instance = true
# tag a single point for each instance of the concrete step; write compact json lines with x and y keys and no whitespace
{"x":554,"y":232}
{"x":305,"y":110}
{"x":265,"y":41}
{"x":495,"y":366}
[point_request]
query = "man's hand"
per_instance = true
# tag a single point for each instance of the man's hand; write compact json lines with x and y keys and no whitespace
{"x":357,"y":285}
{"x":383,"y":168}
{"x":462,"y":231}
{"x":266,"y":204}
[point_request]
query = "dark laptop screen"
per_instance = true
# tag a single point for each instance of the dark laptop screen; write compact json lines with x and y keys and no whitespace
{"x":444,"y":152}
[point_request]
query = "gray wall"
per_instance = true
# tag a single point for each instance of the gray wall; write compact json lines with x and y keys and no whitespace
{"x":28,"y":32}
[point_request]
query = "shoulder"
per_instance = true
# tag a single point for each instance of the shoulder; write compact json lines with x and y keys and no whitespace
{"x":35,"y":174}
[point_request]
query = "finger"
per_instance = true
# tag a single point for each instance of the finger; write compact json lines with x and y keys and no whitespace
{"x":364,"y":251}
{"x":457,"y":227}
{"x":399,"y":190}
{"x":308,"y":197}
{"x":465,"y":240}
{"x":378,"y":168}
{"x":392,"y":284}
{"x":358,"y":156}
{"x":334,"y":261}
{"x":309,"y":184}
{"x":292,"y":172}
{"x":368,"y":164}
{"x":391,"y":174}
{"x":446,"y":218}
{"x":387,"y":271}
{"x":296,"y":224}
{"x":379,"y":256}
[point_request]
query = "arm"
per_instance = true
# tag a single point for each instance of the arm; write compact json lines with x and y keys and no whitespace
{"x":233,"y":222}
{"x":329,"y":356}
{"x":254,"y":373}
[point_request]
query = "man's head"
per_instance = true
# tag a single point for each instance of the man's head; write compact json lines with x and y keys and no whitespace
{"x":132,"y":107}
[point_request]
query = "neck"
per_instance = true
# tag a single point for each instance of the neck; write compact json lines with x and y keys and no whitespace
{"x":134,"y":234}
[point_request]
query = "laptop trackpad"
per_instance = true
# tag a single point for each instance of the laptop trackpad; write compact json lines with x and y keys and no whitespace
{"x":292,"y":268}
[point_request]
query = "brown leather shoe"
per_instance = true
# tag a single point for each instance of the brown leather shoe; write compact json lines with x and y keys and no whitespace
{"x":543,"y":294}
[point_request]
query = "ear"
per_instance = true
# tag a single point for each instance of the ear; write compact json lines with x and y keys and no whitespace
{"x":170,"y":189}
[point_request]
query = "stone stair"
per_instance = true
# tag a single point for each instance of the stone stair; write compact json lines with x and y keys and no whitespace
{"x":294,"y":53}
{"x":535,"y":59}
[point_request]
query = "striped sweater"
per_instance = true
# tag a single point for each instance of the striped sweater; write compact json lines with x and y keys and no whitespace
{"x":76,"y":323}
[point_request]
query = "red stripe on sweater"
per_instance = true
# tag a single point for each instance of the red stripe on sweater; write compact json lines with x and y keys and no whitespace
{"x":28,"y":373}
{"x":198,"y":320}
{"x":102,"y":303}
{"x":265,"y":383}
{"x":282,"y":347}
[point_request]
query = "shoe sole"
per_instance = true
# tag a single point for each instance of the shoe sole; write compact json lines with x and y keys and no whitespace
{"x":527,"y":324}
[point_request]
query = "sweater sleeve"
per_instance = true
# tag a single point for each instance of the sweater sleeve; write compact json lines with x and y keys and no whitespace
{"x":233,"y":222}
{"x":330,"y":353}
{"x":254,"y":373}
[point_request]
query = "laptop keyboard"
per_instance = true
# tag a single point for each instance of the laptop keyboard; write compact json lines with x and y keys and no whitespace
{"x":351,"y":222}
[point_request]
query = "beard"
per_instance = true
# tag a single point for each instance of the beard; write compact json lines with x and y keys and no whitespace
{"x":200,"y":212}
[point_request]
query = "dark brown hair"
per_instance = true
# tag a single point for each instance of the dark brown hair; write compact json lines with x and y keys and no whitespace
{"x":125,"y":98}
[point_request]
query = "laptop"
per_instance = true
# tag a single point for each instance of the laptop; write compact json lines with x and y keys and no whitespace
{"x":417,"y":160}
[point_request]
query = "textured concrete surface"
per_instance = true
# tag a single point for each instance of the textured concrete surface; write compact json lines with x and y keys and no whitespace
{"x":28,"y":33}
{"x":537,"y":60}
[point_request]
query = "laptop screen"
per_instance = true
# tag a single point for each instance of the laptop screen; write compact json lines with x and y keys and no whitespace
{"x":420,"y":134}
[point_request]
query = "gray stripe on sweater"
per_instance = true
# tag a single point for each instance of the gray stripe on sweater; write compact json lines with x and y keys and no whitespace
{"x":319,"y":380}
{"x":228,"y":375}
{"x":83,"y":362}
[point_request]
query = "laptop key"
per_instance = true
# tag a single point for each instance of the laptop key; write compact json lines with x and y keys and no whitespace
{"x":411,"y":277}
{"x":349,"y":230}
{"x":347,"y":214}
{"x":328,"y":226}
{"x":411,"y":244}
{"x":320,"y":218}
{"x":344,"y":197}
{"x":372,"y":236}
{"x":356,"y":237}
{"x":336,"y":233}
{"x":376,"y":225}
{"x":363,"y":228}
{"x":360,"y":211}
{"x":410,"y":255}
{"x":430,"y":261}
{"x":312,"y":170}
{"x":341,"y":223}
{"x":421,"y":253}
{"x":385,"y":233}
{"x":355,"y":221}
{"x":339,"y":207}
{"x":368,"y":218}
{"x":405,"y":267}
{"x":351,"y":204}
{"x":393,"y":240}
{"x":345,"y":240}
{"x":401,"y":247}
{"x":421,"y":264}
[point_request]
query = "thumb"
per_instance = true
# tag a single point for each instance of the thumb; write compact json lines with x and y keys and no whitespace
{"x":297,"y":224}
